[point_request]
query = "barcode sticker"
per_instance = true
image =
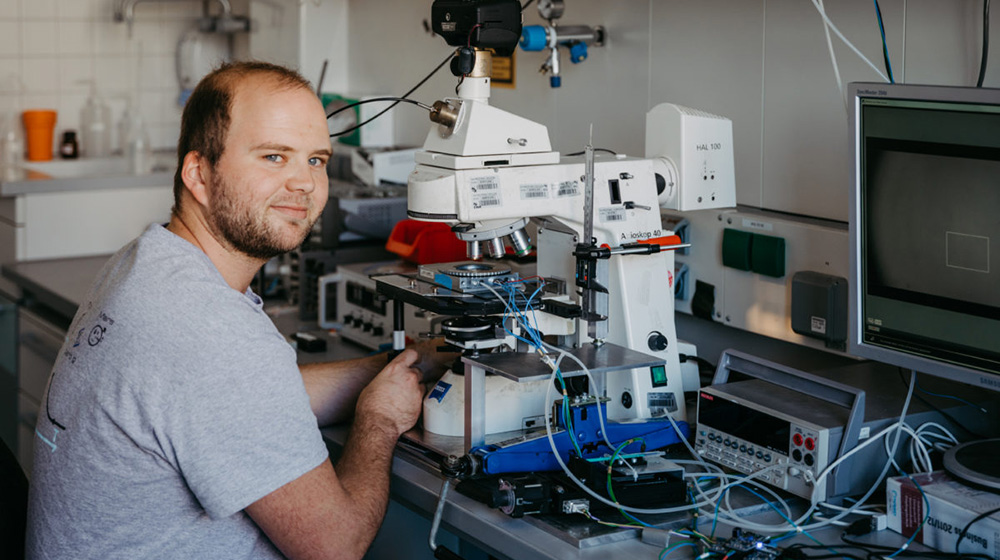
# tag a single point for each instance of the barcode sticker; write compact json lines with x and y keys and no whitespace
{"x":612,"y":215}
{"x":535,"y":191}
{"x":568,"y":188}
{"x":661,"y":404}
{"x":485,"y":191}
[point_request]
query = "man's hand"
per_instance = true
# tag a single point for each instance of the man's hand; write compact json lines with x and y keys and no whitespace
{"x":394,"y":397}
{"x":433,"y":363}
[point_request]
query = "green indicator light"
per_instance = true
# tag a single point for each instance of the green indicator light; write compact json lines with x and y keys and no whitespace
{"x":659,"y":374}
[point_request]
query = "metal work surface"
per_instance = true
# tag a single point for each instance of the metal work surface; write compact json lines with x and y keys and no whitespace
{"x":417,"y":486}
{"x":522,"y":366}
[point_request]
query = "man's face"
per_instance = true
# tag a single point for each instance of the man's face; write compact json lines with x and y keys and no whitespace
{"x":270,"y":184}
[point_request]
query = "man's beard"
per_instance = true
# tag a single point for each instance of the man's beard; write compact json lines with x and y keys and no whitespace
{"x":246,"y":231}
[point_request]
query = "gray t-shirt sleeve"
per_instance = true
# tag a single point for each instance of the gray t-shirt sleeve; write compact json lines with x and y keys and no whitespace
{"x":245,"y":430}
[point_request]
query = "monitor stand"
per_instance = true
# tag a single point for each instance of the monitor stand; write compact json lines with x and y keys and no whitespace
{"x":975,"y":462}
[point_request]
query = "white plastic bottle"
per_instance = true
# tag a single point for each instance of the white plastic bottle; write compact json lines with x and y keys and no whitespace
{"x":11,"y":147}
{"x":138,"y":150}
{"x":95,"y":125}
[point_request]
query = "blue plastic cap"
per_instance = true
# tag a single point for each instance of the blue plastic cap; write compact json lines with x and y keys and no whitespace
{"x":578,"y":53}
{"x":555,"y":81}
{"x":533,"y":38}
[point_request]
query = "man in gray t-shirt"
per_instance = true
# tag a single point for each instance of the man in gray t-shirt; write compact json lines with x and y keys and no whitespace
{"x":176,"y":423}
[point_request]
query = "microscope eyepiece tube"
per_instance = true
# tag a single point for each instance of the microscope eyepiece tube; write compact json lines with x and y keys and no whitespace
{"x":473,"y":250}
{"x":496,"y":248}
{"x":520,"y":241}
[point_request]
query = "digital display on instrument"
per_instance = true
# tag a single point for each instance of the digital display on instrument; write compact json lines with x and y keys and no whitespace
{"x":365,"y":297}
{"x":742,"y":422}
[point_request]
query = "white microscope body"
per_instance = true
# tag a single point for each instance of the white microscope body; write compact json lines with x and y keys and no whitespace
{"x":487,"y":172}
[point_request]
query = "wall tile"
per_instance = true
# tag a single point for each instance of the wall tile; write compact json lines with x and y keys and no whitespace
{"x":38,"y":9}
{"x":38,"y":38}
{"x":78,"y":10}
{"x":40,"y":101}
{"x":183,"y":10}
{"x":115,"y":74}
{"x":155,"y":72}
{"x":111,"y":38}
{"x":76,"y":38}
{"x":149,"y":107}
{"x":10,"y":10}
{"x":10,"y":38}
{"x":10,"y":73}
{"x":147,"y":38}
{"x":73,"y":72}
{"x":40,"y":75}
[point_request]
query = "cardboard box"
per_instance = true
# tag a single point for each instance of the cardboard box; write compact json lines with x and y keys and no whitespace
{"x":952,"y":505}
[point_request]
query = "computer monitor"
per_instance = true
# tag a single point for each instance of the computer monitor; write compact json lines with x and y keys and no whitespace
{"x":925,"y":241}
{"x":925,"y":229}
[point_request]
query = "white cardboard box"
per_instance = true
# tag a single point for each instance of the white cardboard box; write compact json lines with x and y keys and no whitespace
{"x":952,"y":505}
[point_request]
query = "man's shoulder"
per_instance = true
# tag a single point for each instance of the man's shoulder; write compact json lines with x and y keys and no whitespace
{"x":160,"y":277}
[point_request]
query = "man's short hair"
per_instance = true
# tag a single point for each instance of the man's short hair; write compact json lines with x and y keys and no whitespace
{"x":205,"y":120}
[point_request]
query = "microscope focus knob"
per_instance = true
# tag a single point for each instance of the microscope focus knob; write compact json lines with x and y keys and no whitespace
{"x":657,"y":342}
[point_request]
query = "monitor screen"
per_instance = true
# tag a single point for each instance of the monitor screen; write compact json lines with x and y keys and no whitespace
{"x":925,"y":229}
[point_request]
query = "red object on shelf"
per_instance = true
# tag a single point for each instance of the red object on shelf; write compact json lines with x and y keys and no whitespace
{"x":425,"y":242}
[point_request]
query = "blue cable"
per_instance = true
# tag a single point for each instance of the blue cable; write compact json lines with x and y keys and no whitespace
{"x":668,"y":551}
{"x":943,"y":396}
{"x":927,"y":515}
{"x":885,"y":48}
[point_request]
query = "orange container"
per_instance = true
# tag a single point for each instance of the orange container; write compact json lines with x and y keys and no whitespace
{"x":425,"y":242}
{"x":39,"y":127}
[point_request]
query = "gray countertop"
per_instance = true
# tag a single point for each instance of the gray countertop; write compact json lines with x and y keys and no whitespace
{"x":60,"y":284}
{"x":85,"y":174}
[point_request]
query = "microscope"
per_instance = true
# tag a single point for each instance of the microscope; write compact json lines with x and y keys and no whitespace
{"x":596,"y":320}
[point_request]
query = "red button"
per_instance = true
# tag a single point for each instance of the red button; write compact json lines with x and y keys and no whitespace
{"x":797,"y":439}
{"x":810,"y":444}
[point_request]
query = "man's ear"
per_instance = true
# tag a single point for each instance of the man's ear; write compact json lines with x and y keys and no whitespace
{"x":195,"y":173}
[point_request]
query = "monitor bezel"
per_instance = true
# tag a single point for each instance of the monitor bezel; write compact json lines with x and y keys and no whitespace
{"x":856,"y":345}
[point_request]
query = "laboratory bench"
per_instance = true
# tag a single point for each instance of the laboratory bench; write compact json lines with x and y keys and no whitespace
{"x":70,"y":208}
{"x":51,"y":292}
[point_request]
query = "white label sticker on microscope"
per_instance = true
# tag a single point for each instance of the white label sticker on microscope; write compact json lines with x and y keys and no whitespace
{"x":485,"y":191}
{"x":537,"y":190}
{"x":568,"y":188}
{"x":612,"y":214}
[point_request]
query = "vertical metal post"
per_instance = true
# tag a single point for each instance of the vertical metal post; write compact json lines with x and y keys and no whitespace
{"x":475,"y":406}
{"x":398,"y":331}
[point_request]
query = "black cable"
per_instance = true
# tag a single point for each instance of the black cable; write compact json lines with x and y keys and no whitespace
{"x":968,"y":526}
{"x":986,"y":42}
{"x":402,"y":97}
{"x":612,"y":152}
{"x":372,"y":100}
{"x":526,"y":4}
{"x":880,"y":550}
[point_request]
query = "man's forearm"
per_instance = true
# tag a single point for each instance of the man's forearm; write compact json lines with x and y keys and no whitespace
{"x":334,"y":387}
{"x":364,"y":470}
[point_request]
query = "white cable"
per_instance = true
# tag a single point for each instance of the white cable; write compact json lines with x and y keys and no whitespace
{"x":826,"y":19}
{"x":902,"y":64}
{"x":604,"y":431}
{"x":796,"y":525}
{"x":833,"y":59}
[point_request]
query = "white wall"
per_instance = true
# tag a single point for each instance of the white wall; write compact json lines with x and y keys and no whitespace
{"x":48,"y":46}
{"x":763,"y":63}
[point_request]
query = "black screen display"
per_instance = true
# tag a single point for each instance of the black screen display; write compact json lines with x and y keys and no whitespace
{"x":732,"y":418}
